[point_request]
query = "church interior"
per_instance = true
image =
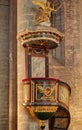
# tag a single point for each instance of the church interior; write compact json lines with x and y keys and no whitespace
{"x":40,"y":64}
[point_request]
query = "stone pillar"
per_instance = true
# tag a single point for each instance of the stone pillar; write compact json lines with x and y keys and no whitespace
{"x":13,"y":65}
{"x":25,"y":20}
{"x":4,"y":64}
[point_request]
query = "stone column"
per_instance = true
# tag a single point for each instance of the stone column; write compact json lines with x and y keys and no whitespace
{"x":4,"y":64}
{"x":13,"y":65}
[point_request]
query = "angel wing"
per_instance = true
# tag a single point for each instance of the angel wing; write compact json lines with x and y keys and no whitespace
{"x":40,"y":3}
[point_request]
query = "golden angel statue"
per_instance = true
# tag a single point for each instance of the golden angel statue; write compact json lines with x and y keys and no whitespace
{"x":45,"y":10}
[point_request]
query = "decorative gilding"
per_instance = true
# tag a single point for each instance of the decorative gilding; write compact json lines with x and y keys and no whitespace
{"x":44,"y":11}
{"x":42,"y":36}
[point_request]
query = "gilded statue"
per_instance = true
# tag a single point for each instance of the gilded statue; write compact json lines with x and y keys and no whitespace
{"x":45,"y":10}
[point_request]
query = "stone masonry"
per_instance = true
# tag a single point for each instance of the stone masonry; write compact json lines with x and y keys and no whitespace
{"x":72,"y":71}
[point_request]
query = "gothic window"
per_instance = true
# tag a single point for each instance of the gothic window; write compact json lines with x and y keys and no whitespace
{"x":58,"y":21}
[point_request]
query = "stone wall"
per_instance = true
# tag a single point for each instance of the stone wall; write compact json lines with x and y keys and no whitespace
{"x":76,"y":100}
{"x":72,"y":71}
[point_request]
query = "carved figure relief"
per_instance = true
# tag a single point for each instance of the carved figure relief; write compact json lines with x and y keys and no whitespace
{"x":44,"y":12}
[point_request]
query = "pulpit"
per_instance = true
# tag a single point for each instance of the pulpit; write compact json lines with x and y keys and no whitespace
{"x":44,"y":97}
